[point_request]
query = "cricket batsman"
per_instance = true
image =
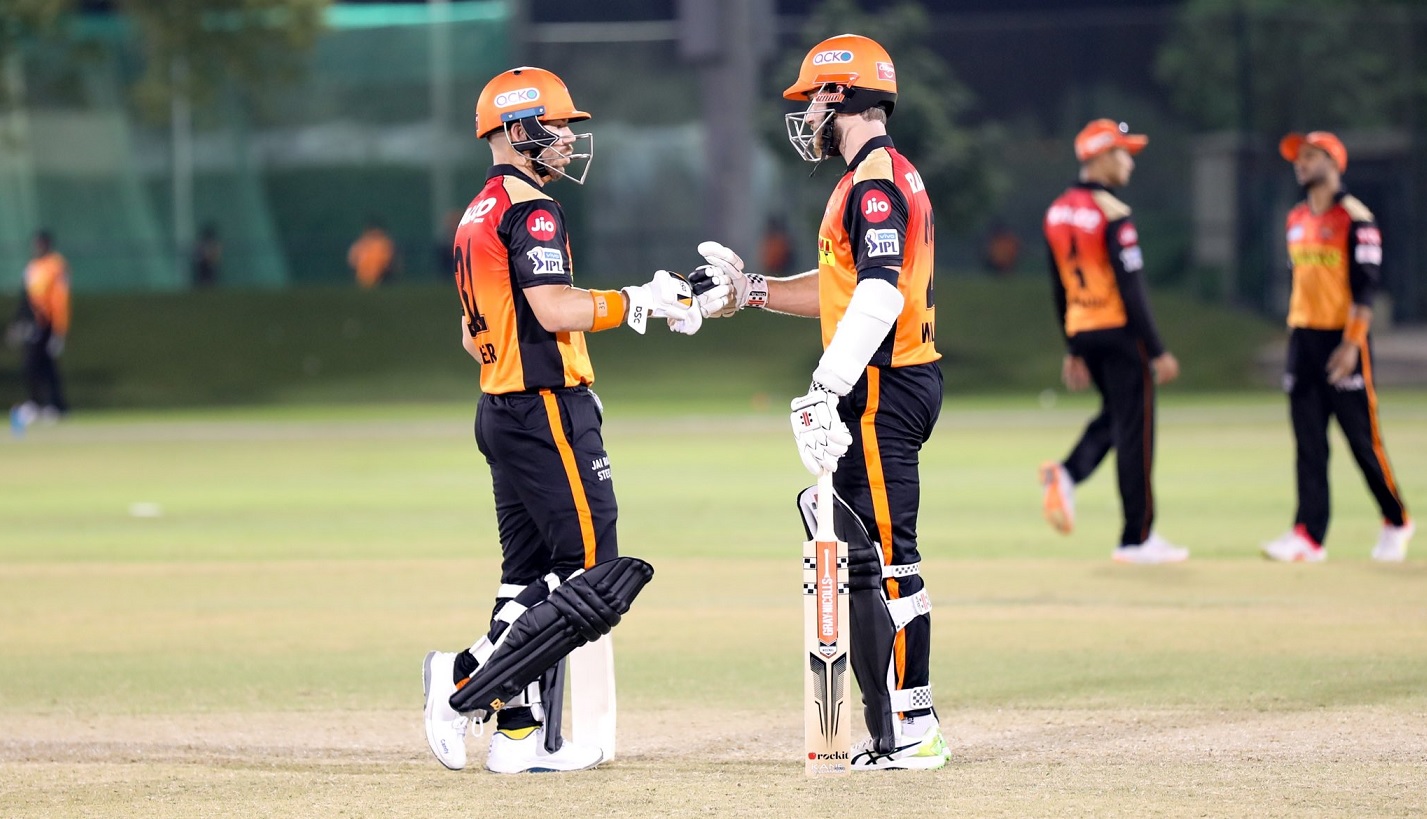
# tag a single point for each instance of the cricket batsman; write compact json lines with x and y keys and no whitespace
{"x":538,"y":425}
{"x":876,"y":392}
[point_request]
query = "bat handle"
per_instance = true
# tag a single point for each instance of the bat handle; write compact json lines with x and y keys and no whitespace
{"x":825,"y":531}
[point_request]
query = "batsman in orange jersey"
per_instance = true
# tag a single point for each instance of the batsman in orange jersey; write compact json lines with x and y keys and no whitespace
{"x":876,"y":392}
{"x":538,"y":425}
{"x":1110,"y":339}
{"x":1335,"y":249}
{"x":42,"y":323}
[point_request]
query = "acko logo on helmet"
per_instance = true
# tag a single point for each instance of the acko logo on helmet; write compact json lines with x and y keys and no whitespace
{"x":517,"y":97}
{"x":827,"y":57}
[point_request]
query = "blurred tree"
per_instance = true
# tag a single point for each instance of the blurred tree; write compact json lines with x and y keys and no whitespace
{"x":1271,"y":66}
{"x":192,"y":47}
{"x":955,"y":160}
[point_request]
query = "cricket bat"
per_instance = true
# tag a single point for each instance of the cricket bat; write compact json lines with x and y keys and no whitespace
{"x":827,"y":732}
{"x":592,"y":699}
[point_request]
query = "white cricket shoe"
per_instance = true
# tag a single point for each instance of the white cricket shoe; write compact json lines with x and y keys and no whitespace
{"x":512,"y":753}
{"x":1392,"y":543}
{"x":1154,"y":550}
{"x":1058,"y":503}
{"x":445,"y":728}
{"x":21,"y":416}
{"x":920,"y":746}
{"x":1295,"y":546}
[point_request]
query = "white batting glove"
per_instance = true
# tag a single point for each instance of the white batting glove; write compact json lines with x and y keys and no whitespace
{"x":667,"y":295}
{"x":820,"y":434}
{"x":731,"y":289}
{"x":55,"y":346}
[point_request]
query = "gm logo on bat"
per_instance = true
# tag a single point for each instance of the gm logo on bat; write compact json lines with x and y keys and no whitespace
{"x":826,"y":57}
{"x":516,"y":97}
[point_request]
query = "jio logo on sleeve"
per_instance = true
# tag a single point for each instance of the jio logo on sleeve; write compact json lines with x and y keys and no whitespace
{"x":541,"y":225}
{"x":876,"y":207}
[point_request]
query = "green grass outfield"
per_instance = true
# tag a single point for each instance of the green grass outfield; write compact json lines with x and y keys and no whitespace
{"x":254,"y":650}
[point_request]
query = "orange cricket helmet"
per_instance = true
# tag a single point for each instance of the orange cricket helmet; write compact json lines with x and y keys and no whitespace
{"x":531,"y":96}
{"x":846,"y":74}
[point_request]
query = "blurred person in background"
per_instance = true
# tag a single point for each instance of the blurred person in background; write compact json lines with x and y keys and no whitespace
{"x":538,"y":425}
{"x":373,"y":256}
{"x":207,"y":257}
{"x":876,"y":392}
{"x":776,"y":250}
{"x":1000,"y":250}
{"x":1111,"y":340}
{"x":42,"y":323}
{"x":1335,"y":249}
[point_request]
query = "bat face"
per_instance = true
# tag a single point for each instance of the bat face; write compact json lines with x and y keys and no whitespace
{"x":827,"y":732}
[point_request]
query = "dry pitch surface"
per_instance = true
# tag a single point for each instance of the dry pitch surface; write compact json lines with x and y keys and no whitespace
{"x":255,"y":650}
{"x":1022,"y":762}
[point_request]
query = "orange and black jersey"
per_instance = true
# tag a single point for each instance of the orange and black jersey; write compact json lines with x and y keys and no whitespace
{"x":1335,"y":259}
{"x":879,"y":218}
{"x":512,"y":237}
{"x":1095,"y":266}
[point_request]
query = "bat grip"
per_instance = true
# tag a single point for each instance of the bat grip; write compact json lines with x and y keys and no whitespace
{"x":825,"y":531}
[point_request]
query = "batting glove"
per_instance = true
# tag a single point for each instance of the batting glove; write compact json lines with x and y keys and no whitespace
{"x":55,"y":346}
{"x":722,"y":287}
{"x":667,"y":295}
{"x":820,"y":434}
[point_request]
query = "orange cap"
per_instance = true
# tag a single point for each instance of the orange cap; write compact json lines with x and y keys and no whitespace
{"x":1103,"y":134}
{"x":849,"y":59}
{"x":522,"y":90}
{"x":1289,"y":147}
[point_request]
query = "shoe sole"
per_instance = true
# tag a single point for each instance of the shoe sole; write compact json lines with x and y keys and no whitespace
{"x":426,"y":693}
{"x":1296,"y":558}
{"x":915,"y":763}
{"x":1054,"y":508}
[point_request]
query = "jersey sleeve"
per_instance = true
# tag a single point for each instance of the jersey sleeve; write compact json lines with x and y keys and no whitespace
{"x":1122,"y":244}
{"x":1057,"y":291}
{"x":535,"y":238}
{"x":1364,"y":261}
{"x":876,"y":222}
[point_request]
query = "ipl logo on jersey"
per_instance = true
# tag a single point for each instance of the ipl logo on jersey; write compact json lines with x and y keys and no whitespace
{"x":546,"y":261}
{"x":883,"y":243}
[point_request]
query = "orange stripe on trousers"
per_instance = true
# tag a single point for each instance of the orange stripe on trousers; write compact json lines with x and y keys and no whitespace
{"x":1378,"y":449}
{"x":572,"y":474}
{"x":881,"y":506}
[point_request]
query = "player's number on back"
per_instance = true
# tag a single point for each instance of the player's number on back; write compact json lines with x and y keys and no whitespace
{"x":467,"y":287}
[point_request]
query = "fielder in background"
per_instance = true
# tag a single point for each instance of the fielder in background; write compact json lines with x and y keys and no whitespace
{"x":42,"y":325}
{"x":372,"y":256}
{"x":876,"y":392}
{"x":538,"y":426}
{"x":1335,"y":250}
{"x":1110,"y":340}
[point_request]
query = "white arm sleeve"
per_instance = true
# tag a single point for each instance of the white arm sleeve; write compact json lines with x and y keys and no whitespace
{"x":874,"y":308}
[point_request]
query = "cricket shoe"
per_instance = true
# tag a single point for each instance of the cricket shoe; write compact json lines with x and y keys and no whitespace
{"x":523,"y":751}
{"x":1392,"y":543}
{"x":924,"y":752}
{"x":21,"y":416}
{"x":1295,"y":547}
{"x":445,"y":728}
{"x":1058,"y":504}
{"x":1154,"y":550}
